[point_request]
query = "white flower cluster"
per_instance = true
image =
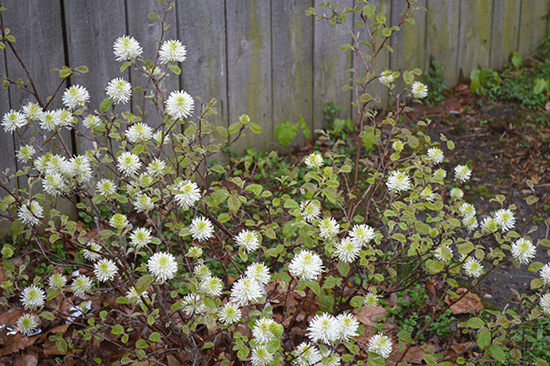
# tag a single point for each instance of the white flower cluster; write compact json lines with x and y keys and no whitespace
{"x":398,"y":182}
{"x":328,"y":329}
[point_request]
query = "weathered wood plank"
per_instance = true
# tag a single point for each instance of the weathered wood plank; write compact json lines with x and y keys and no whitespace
{"x":148,"y":32}
{"x":474,"y":45}
{"x":92,"y":29}
{"x":533,"y":24}
{"x":409,"y":42}
{"x":442,"y":29}
{"x":292,"y":65}
{"x":330,"y":67}
{"x":249,"y":67}
{"x":202,"y":29}
{"x":7,"y":146}
{"x":505,"y":31}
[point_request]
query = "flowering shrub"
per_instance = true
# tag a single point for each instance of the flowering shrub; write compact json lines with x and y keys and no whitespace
{"x":190,"y":258}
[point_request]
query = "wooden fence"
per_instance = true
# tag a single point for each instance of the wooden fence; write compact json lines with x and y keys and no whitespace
{"x":260,"y":57}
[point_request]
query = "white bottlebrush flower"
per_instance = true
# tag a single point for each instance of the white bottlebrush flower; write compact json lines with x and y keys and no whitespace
{"x":419,"y":90}
{"x":201,"y":229}
{"x":324,"y":328}
{"x":64,"y":118}
{"x":33,"y":297}
{"x":310,"y":210}
{"x":427,"y":194}
{"x":157,"y":168}
{"x":258,"y":272}
{"x":386,"y":78}
{"x":126,"y":48}
{"x":470,"y":222}
{"x":105,"y":270}
{"x":119,"y":90}
{"x":76,"y":96}
{"x":398,"y":146}
{"x":139,"y":132}
{"x":134,"y":297}
{"x":229,"y":313}
{"x":159,"y":139}
{"x":346,"y":250}
{"x":435,"y":155}
{"x":54,"y":184}
{"x":201,"y":271}
{"x":31,"y":213}
{"x":246,"y":291}
{"x":371,"y":299}
{"x":163,"y":266}
{"x":140,"y":237}
{"x":193,"y":304}
{"x":381,"y":345}
{"x":440,"y":174}
{"x":92,"y":254}
{"x":128,"y":163}
{"x":443,"y":253}
{"x":247,"y":240}
{"x":457,"y":194}
{"x":328,"y":228}
{"x":179,"y":105}
{"x":32,"y":111}
{"x":106,"y":188}
{"x":473,"y":267}
{"x":143,"y":203}
{"x":545,"y":274}
{"x":13,"y":120}
{"x":57,"y":281}
{"x":212,"y":286}
{"x":314,"y":160}
{"x":462,"y":173}
{"x":545,"y":303}
{"x":80,"y":168}
{"x":505,"y":219}
{"x":467,"y":210}
{"x":25,"y":153}
{"x":49,"y":120}
{"x":398,"y":182}
{"x":261,"y":357}
{"x":488,"y":225}
{"x":92,"y":122}
{"x":194,"y":252}
{"x":27,"y":323}
{"x":7,"y":251}
{"x":348,"y":326}
{"x":81,"y":285}
{"x":361,"y":235}
{"x":172,"y":51}
{"x":266,"y":330}
{"x":306,"y":265}
{"x":306,"y":354}
{"x":523,"y":250}
{"x":187,"y":193}
{"x":119,"y":221}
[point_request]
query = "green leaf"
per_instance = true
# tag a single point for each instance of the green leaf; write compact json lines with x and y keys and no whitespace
{"x":434,"y":266}
{"x":153,"y":15}
{"x":234,"y":127}
{"x":47,"y":315}
{"x":343,"y":268}
{"x":305,"y":129}
{"x":117,"y":329}
{"x":243,"y":353}
{"x":535,"y":267}
{"x":155,"y":337}
{"x":516,"y":60}
{"x":219,"y":196}
{"x":234,"y":203}
{"x":125,"y":66}
{"x":61,"y":345}
{"x":9,"y":265}
{"x":105,"y":104}
{"x":376,"y":360}
{"x":408,"y":77}
{"x":256,"y":188}
{"x":357,"y":301}
{"x":255,"y":128}
{"x":404,"y":335}
{"x":144,"y":282}
{"x":475,"y":323}
{"x":483,"y":338}
{"x":208,"y":345}
{"x":498,"y":353}
{"x":540,"y":86}
{"x":142,"y":344}
{"x":175,"y":69}
{"x":286,"y":132}
{"x":122,"y":300}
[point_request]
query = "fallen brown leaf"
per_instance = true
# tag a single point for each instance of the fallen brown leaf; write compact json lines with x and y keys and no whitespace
{"x":468,"y":304}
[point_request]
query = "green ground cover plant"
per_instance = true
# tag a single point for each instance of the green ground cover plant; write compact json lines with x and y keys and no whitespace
{"x":256,"y":261}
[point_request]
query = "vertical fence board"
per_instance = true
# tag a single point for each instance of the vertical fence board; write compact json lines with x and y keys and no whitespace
{"x":147,"y":32}
{"x":409,"y":42}
{"x":202,"y":30}
{"x":442,"y":26}
{"x":533,"y":24}
{"x":249,"y":67}
{"x":292,"y":47}
{"x":92,"y":30}
{"x":475,"y":36}
{"x":330,"y":67}
{"x":505,"y":31}
{"x":7,"y":147}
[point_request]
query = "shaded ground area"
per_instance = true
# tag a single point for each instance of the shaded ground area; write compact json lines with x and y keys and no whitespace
{"x":507,"y":147}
